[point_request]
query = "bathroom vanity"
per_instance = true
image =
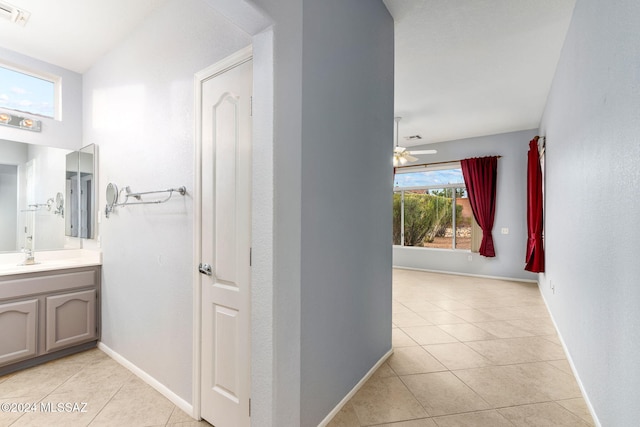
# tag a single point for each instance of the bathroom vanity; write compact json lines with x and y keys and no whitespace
{"x":49,"y":309}
{"x":49,"y":287}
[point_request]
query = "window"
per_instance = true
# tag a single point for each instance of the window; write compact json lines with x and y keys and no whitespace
{"x":28,"y":92}
{"x":424,"y":202}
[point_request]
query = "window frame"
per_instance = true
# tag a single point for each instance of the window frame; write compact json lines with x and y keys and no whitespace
{"x":37,"y":74}
{"x":401,"y":190}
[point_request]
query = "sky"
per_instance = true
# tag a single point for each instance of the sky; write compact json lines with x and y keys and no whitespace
{"x":429,"y":178}
{"x":25,"y":93}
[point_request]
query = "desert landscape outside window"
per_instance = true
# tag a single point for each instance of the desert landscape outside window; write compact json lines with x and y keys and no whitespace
{"x":424,"y":203}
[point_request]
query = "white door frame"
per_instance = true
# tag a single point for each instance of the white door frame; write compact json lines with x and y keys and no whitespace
{"x":199,"y":79}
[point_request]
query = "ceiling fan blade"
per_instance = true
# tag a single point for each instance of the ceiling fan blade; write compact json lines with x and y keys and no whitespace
{"x":409,"y":157}
{"x":423,"y":151}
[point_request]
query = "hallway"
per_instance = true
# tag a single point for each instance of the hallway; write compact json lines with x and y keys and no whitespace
{"x":468,"y":351}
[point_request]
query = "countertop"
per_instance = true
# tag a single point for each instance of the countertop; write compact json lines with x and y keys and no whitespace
{"x":49,"y":260}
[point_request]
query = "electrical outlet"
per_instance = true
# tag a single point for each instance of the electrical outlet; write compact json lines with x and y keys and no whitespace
{"x":505,"y":230}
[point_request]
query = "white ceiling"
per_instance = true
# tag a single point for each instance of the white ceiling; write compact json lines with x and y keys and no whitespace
{"x":468,"y":68}
{"x":464,"y":68}
{"x":73,"y":34}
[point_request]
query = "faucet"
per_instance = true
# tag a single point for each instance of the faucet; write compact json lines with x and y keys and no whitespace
{"x":29,"y":257}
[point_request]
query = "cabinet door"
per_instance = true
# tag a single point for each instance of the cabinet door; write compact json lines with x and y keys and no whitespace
{"x":18,"y":330}
{"x":71,"y":319}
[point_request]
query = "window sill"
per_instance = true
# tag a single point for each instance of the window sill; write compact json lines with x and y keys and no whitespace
{"x":468,"y":251}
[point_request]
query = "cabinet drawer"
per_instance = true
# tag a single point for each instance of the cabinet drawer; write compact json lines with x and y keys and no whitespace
{"x":39,"y":283}
{"x":70,"y":319}
{"x":18,"y":330}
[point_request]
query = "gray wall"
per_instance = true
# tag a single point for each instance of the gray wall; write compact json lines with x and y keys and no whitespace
{"x":296,"y":86}
{"x":11,"y":155}
{"x":347,"y":124}
{"x":592,"y":205}
{"x":139,"y":110}
{"x":511,"y":210}
{"x":65,"y":133}
{"x":8,"y":207}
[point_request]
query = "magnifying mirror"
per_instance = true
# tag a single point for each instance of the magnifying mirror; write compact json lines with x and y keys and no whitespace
{"x":112,"y":198}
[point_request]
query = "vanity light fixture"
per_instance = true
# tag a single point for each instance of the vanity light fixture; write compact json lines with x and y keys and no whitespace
{"x":26,"y":123}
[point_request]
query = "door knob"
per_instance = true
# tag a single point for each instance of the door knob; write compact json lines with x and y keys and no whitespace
{"x":205,"y":269}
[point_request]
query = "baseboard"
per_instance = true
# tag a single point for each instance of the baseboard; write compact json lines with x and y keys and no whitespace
{"x":511,"y":279}
{"x":573,"y":368}
{"x":355,"y":389}
{"x":158,"y":386}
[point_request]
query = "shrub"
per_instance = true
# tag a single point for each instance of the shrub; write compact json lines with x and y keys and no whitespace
{"x":426,"y":216}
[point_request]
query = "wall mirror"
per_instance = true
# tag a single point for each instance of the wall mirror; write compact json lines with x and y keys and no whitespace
{"x":32,"y":180}
{"x":36,"y":207}
{"x":80,"y":193}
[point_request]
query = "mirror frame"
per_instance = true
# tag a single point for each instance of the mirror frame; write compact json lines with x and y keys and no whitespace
{"x":80,"y":198}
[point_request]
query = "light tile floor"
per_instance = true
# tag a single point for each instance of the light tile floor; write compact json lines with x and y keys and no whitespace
{"x":113,"y":396}
{"x":468,"y":352}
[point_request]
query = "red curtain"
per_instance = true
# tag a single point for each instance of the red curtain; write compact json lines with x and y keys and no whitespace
{"x":480,"y":176}
{"x":535,"y":248}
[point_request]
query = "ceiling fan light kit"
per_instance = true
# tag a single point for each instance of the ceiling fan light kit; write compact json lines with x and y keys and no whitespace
{"x":402,"y":156}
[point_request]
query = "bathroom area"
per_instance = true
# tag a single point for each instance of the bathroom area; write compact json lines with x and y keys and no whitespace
{"x":49,"y":303}
{"x":73,"y":275}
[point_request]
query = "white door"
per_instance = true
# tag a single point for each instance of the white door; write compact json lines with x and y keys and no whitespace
{"x":225,"y":239}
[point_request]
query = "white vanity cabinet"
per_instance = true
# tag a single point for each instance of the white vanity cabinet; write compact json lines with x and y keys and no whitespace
{"x":48,"y":314}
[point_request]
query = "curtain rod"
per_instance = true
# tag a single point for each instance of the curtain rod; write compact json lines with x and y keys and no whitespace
{"x":434,"y":163}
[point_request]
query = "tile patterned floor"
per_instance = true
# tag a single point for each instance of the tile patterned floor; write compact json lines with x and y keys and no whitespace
{"x":114,"y":396}
{"x":468,"y":352}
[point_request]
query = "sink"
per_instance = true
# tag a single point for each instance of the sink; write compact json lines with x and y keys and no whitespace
{"x":14,"y":263}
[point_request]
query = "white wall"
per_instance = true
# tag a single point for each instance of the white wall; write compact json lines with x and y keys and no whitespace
{"x":511,"y":210}
{"x":139,"y":107}
{"x":592,"y":178}
{"x":66,"y":133}
{"x":50,"y":167}
{"x":279,"y":253}
{"x":13,"y":153}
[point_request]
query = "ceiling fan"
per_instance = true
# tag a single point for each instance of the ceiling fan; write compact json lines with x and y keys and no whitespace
{"x":402,"y":156}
